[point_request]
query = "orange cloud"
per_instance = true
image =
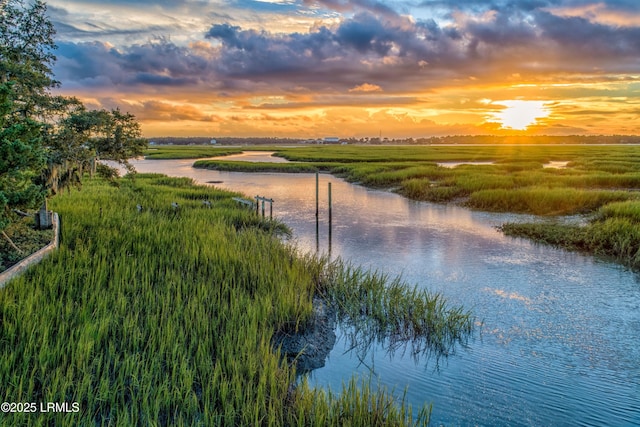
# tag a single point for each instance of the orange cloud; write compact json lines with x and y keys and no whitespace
{"x":366,"y":87}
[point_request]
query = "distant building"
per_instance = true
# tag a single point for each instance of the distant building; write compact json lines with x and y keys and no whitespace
{"x":331,"y":140}
{"x":213,"y":142}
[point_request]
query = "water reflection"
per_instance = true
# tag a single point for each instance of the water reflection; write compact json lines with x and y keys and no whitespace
{"x":560,"y":332}
{"x":252,"y":156}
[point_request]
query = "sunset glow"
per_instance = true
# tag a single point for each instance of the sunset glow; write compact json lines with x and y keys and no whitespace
{"x":312,"y":68}
{"x":519,"y":115}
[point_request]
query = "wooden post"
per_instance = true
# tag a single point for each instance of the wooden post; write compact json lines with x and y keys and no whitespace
{"x":329,"y":203}
{"x":317,"y":196}
{"x":264,"y":200}
{"x":317,"y":235}
{"x":330,"y":217}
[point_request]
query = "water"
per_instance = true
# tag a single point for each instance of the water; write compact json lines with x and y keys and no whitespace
{"x":252,"y":156}
{"x":558,"y":342}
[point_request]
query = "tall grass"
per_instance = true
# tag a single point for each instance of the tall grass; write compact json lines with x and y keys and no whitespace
{"x":188,"y":152}
{"x":255,"y":166}
{"x":613,"y":232}
{"x":378,"y":310}
{"x":596,"y":177}
{"x":515,"y":182}
{"x":165,"y":316}
{"x":544,"y":201}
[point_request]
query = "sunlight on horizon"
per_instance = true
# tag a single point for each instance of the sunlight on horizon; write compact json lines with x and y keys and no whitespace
{"x":519,"y":115}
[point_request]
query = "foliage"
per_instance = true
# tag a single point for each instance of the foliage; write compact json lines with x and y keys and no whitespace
{"x":26,"y":57}
{"x":26,"y":46}
{"x":21,"y":156}
{"x":47,"y":142}
{"x":84,"y":137}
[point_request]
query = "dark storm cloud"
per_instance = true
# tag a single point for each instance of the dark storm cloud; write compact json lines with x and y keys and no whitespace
{"x":153,"y":64}
{"x":587,"y":40}
{"x":342,"y":48}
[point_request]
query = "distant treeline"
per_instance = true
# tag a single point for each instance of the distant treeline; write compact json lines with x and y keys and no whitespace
{"x":200,"y":140}
{"x":544,"y":139}
{"x":452,"y":139}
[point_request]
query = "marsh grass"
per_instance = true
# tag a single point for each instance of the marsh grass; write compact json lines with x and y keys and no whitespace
{"x":188,"y":152}
{"x":165,"y":316}
{"x":544,"y":200}
{"x":515,"y":181}
{"x":359,"y":404}
{"x":374,"y":309}
{"x":613,"y":232}
{"x":599,"y":180}
{"x":255,"y":166}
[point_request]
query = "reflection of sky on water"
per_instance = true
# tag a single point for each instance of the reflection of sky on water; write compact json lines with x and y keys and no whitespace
{"x":559,"y":338}
{"x":252,"y":156}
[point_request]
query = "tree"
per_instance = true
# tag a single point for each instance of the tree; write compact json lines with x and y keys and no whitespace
{"x":26,"y":57}
{"x":47,"y":142}
{"x":85,"y":137}
{"x":26,"y":44}
{"x":21,"y":159}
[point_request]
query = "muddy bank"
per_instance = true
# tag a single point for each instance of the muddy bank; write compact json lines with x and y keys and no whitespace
{"x":308,"y":349}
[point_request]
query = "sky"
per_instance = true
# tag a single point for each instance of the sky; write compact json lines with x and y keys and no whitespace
{"x":362,"y":68}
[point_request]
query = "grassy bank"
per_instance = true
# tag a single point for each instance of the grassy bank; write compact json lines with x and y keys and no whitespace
{"x":516,"y":180}
{"x":545,"y":180}
{"x":614,"y":232}
{"x":166,"y":316}
{"x":188,"y":152}
{"x":256,"y":166}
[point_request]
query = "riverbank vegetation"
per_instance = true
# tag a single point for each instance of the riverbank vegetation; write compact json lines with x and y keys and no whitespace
{"x":163,"y":315}
{"x":540,"y":180}
{"x":599,"y":182}
{"x":613,"y":232}
{"x":188,"y":152}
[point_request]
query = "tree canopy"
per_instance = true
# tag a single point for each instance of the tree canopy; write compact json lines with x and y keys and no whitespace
{"x":47,"y":142}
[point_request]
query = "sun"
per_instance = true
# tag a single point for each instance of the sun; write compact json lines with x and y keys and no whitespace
{"x":519,"y":115}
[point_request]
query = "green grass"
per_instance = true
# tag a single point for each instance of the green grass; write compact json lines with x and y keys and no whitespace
{"x":613,"y":233}
{"x":188,"y":152}
{"x":515,"y":181}
{"x":599,"y":180}
{"x":543,"y":200}
{"x":166,"y":316}
{"x":255,"y":166}
{"x":387,"y":312}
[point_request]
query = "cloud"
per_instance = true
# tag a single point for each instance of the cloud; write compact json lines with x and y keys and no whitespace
{"x":365,"y":87}
{"x":402,"y":53}
{"x":540,"y":49}
{"x":374,"y":7}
